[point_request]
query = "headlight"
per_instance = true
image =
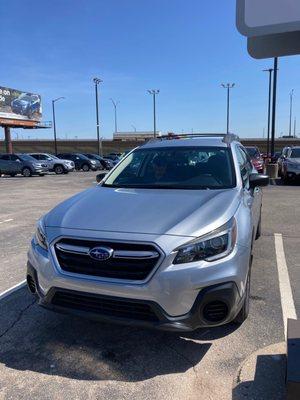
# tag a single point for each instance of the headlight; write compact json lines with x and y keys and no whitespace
{"x":218,"y":244}
{"x":40,"y":235}
{"x":93,"y":161}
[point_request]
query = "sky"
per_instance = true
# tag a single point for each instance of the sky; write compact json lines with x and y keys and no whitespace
{"x":186,"y":49}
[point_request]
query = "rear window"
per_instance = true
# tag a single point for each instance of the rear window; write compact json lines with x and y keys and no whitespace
{"x":253,"y":152}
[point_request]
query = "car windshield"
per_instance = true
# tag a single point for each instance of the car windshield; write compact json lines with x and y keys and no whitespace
{"x":26,"y":157}
{"x":253,"y":152}
{"x":175,"y":168}
{"x":26,"y":98}
{"x":295,"y":153}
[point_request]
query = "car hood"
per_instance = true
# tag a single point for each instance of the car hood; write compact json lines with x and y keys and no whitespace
{"x":146,"y":211}
{"x":20,"y":102}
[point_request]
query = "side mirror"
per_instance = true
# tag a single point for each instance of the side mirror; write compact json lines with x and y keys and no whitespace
{"x":258,"y":180}
{"x":18,"y":160}
{"x":100,"y":176}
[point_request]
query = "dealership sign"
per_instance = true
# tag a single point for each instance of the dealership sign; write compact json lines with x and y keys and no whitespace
{"x":18,"y":105}
{"x":271,"y":26}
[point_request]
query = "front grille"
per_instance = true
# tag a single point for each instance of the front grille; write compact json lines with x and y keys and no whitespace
{"x":126,"y":268}
{"x":104,"y":305}
{"x":216,"y":311}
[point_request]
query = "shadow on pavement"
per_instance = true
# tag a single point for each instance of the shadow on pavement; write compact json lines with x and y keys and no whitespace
{"x":35,"y":339}
{"x":268,"y":382}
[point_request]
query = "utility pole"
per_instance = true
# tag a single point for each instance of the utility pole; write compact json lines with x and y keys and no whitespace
{"x":228,"y":86}
{"x":291,"y":112}
{"x":154,"y":92}
{"x":54,"y":123}
{"x":295,"y":124}
{"x":96,"y":82}
{"x":274,"y":106}
{"x":270,"y":70}
{"x":115,"y":103}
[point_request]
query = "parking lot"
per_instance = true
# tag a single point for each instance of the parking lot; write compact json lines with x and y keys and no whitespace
{"x":43,"y":353}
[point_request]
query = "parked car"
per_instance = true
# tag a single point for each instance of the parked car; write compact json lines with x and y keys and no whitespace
{"x":26,"y":104}
{"x":114,"y":159}
{"x":289,"y":164}
{"x":13,"y":164}
{"x":105,"y":164}
{"x":55,"y":164}
{"x":80,"y":161}
{"x":256,"y":158}
{"x":160,"y":242}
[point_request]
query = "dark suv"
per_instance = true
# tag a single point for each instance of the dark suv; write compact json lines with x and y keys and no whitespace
{"x":13,"y":164}
{"x":80,"y":161}
{"x":104,"y":164}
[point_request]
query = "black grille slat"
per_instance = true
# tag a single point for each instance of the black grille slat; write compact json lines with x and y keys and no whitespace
{"x":105,"y":306}
{"x":115,"y":268}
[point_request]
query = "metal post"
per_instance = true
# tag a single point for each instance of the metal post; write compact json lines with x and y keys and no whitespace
{"x":54,"y":122}
{"x":99,"y":144}
{"x":270,"y":70}
{"x":8,"y":142}
{"x":274,"y":106}
{"x":154,"y":92}
{"x":115,"y":103}
{"x":291,"y":112}
{"x":295,"y":123}
{"x":228,"y":86}
{"x":54,"y":127}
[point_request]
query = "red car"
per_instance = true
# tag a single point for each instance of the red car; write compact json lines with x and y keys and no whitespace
{"x":256,"y":158}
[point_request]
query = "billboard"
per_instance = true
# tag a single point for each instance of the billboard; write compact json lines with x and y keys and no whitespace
{"x":267,"y":17}
{"x":18,"y":105}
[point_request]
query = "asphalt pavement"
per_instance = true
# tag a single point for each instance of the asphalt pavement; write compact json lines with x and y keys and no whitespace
{"x":44,"y":355}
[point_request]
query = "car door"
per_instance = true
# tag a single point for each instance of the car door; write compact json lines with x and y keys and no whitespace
{"x":16,"y":163}
{"x":253,"y":197}
{"x":6,"y":164}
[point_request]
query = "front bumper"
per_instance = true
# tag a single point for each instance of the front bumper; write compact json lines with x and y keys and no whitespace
{"x":142,"y":313}
{"x":40,"y":170}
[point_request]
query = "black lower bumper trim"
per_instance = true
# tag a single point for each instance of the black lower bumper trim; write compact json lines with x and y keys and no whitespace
{"x":139,"y":312}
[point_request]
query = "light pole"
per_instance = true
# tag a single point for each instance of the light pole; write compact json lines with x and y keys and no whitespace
{"x":96,"y":82}
{"x":134,"y":128}
{"x":228,"y":86}
{"x":115,"y":103}
{"x":154,"y":92}
{"x":274,"y":102}
{"x":54,"y":122}
{"x":291,"y":112}
{"x":270,"y":70}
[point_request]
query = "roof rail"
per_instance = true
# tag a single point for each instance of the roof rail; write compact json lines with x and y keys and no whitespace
{"x":227,"y":137}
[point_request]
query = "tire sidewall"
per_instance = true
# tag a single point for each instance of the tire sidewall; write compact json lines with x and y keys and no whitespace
{"x":26,"y":175}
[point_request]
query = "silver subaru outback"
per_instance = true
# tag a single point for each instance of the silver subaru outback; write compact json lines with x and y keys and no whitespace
{"x":164,"y":240}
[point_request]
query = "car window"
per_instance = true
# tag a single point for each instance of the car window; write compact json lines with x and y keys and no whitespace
{"x":36,"y":156}
{"x":244,"y":164}
{"x":175,"y":168}
{"x":13,"y":157}
{"x":295,"y":153}
{"x":5,"y":157}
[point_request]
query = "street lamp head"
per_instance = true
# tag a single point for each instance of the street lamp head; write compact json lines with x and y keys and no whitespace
{"x":58,"y":98}
{"x":228,"y":85}
{"x":97,"y":80}
{"x":153,"y":91}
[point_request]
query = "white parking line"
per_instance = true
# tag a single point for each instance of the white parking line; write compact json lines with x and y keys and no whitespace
{"x":12,"y":289}
{"x":287,"y":301}
{"x":6,"y":220}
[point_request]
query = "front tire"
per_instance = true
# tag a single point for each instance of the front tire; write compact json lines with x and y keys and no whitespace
{"x":85,"y":167}
{"x":59,"y":169}
{"x":12,"y":175}
{"x":26,"y":172}
{"x":244,"y":312}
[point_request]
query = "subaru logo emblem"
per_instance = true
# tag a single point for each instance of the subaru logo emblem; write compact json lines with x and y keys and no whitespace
{"x":101,"y":253}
